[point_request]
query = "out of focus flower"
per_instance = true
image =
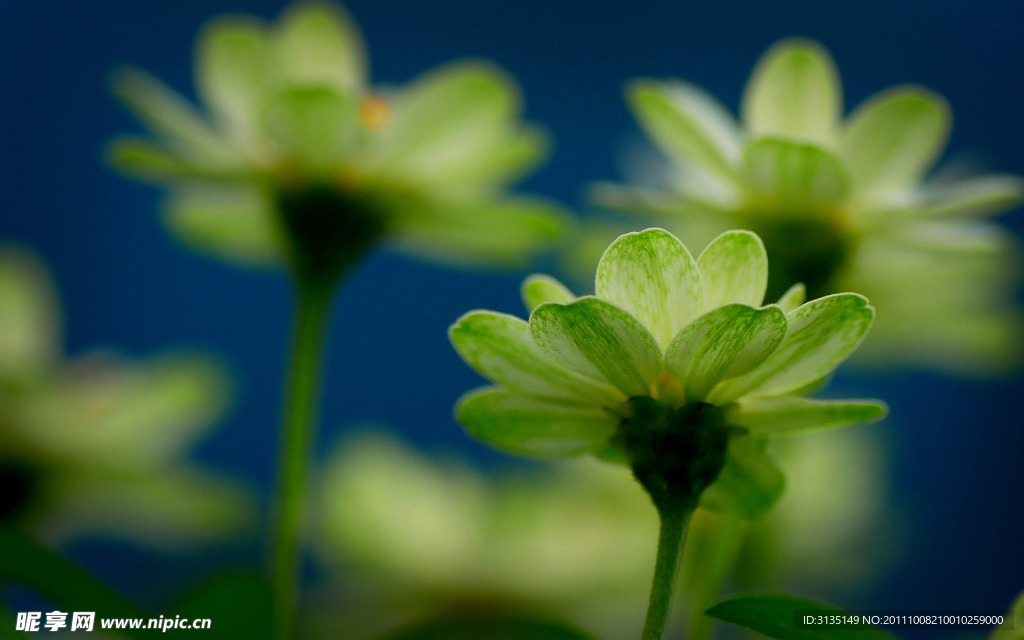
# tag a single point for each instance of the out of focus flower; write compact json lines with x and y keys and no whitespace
{"x":842,"y":205}
{"x":674,"y":368}
{"x":96,"y":445}
{"x":296,"y":148}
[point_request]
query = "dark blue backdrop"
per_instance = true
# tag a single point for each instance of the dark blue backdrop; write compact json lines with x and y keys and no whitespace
{"x":125,"y":283}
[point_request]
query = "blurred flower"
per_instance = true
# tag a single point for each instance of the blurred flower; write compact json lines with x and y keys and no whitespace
{"x":674,"y":368}
{"x":296,"y":148}
{"x":95,"y":445}
{"x":840,"y":205}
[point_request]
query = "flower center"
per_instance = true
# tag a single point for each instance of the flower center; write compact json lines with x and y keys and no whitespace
{"x":675,"y":453}
{"x":375,"y":112}
{"x":811,"y":250}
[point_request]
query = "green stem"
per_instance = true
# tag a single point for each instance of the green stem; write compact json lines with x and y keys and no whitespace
{"x":675,"y":519}
{"x":312,"y":310}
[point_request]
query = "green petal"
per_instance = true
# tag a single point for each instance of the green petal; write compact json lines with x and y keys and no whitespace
{"x":822,"y":333}
{"x":791,"y":414}
{"x":789,"y":177}
{"x":600,"y":341}
{"x":722,"y":344}
{"x":237,"y":224}
{"x":734,"y":267}
{"x":894,"y":138}
{"x":687,"y":124}
{"x":451,"y":123}
{"x":539,"y":289}
{"x":169,"y":116}
{"x":29,"y":316}
{"x":318,"y":42}
{"x":651,"y":275}
{"x":146,"y":160}
{"x":794,"y":91}
{"x":313,"y":124}
{"x":532,"y":427}
{"x":503,"y":233}
{"x":233,"y":64}
{"x":981,"y":196}
{"x":793,"y":297}
{"x":750,"y":482}
{"x":501,"y":348}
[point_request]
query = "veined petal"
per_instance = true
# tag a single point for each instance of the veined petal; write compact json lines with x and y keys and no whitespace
{"x":313,"y":124}
{"x":894,"y":138}
{"x":688,"y":124}
{"x":734,"y":268}
{"x":319,"y":43}
{"x":530,"y":426}
{"x":822,"y":333}
{"x":501,"y":348}
{"x":235,"y":223}
{"x":783,"y":415}
{"x":750,"y":482}
{"x":169,"y":116}
{"x":233,"y":65}
{"x":651,"y":275}
{"x":981,"y":196}
{"x":786,"y":175}
{"x":793,"y":297}
{"x":449,"y":121}
{"x":539,"y":289}
{"x":600,"y":341}
{"x":722,"y":344}
{"x":794,"y":91}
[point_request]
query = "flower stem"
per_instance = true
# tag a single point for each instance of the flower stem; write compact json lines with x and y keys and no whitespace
{"x":312,"y":310}
{"x":675,"y":519}
{"x":712,"y":569}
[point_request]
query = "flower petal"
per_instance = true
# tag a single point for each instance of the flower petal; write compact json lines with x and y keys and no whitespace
{"x":822,"y":333}
{"x":784,"y":415}
{"x":651,"y":275}
{"x":794,"y":91}
{"x":29,"y":316}
{"x":233,"y":65}
{"x":782,"y":175}
{"x":501,"y":348}
{"x":734,"y":268}
{"x":750,"y":482}
{"x":981,"y":196}
{"x":529,"y":426}
{"x":600,"y":341}
{"x":792,"y":298}
{"x":539,"y":289}
{"x":723,"y":344}
{"x":894,"y":138}
{"x":235,"y":223}
{"x":317,"y":43}
{"x":148,"y":161}
{"x":315,"y":125}
{"x":687,"y":124}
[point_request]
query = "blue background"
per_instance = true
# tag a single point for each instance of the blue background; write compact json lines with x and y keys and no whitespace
{"x":958,"y":445}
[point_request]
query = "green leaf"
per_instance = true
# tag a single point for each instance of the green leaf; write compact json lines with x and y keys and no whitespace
{"x":233,"y":67}
{"x":822,"y":333}
{"x":236,"y":602}
{"x":233,"y":223}
{"x":750,"y":482}
{"x":794,"y":91}
{"x":791,"y":177}
{"x":599,"y":341}
{"x":784,"y":415}
{"x":533,"y":427}
{"x":491,"y":628}
{"x":894,"y":138}
{"x":318,"y":42}
{"x":689,"y":125}
{"x":501,"y":348}
{"x":722,"y":344}
{"x":651,"y":275}
{"x":539,"y":289}
{"x":1013,"y":625}
{"x":792,"y":298}
{"x":314,"y":124}
{"x":773,"y":616}
{"x":734,"y":268}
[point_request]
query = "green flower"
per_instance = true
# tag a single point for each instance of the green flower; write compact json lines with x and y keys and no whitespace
{"x":842,"y":205}
{"x":97,"y":445}
{"x":674,"y":368}
{"x":298,"y":155}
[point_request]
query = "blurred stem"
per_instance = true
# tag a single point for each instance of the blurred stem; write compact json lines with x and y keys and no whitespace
{"x":675,"y":519}
{"x":313,"y":299}
{"x":718,"y":562}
